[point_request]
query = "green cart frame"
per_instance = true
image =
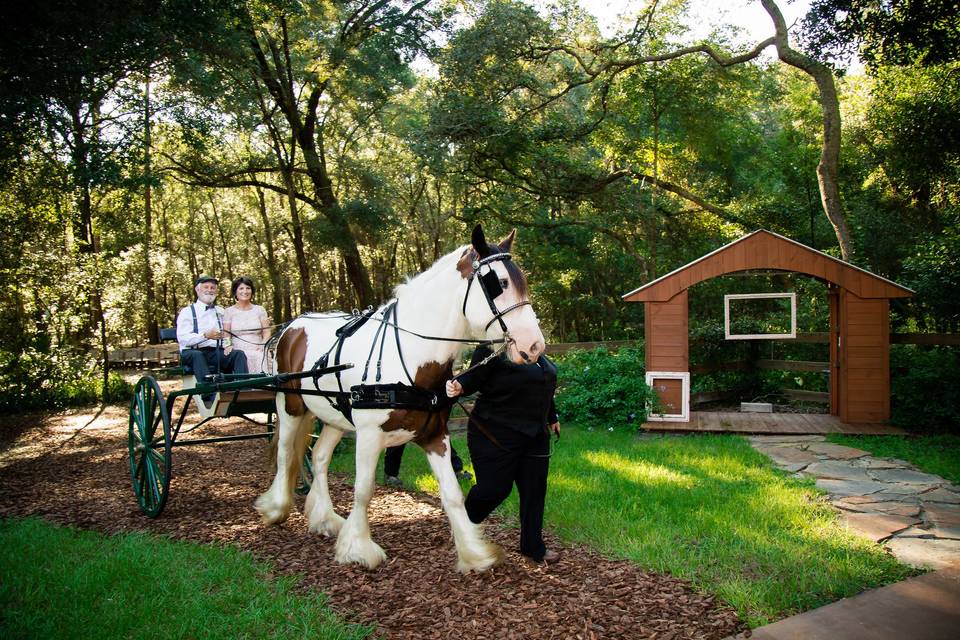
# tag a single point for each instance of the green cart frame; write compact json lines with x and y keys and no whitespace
{"x":152,"y":436}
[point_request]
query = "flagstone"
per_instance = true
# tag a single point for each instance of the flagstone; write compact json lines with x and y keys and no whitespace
{"x":836,"y":450}
{"x":889,"y":496}
{"x":835,"y":470}
{"x":896,"y":489}
{"x":941,"y":495}
{"x":914,"y":532}
{"x":850,"y":487}
{"x":942,"y":515}
{"x":890,"y":508}
{"x":793,"y":456}
{"x":935,"y":554}
{"x":878,"y":526}
{"x":906,"y":476}
{"x":879,"y":463}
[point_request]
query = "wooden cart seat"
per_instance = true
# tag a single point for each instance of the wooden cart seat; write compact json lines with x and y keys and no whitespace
{"x":232,"y":403}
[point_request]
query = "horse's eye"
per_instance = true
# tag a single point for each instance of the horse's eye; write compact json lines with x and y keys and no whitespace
{"x":504,"y":283}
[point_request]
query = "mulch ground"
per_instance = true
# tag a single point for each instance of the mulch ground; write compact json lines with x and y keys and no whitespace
{"x":72,"y":468}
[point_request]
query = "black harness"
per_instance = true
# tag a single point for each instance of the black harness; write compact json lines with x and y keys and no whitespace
{"x":399,"y":395}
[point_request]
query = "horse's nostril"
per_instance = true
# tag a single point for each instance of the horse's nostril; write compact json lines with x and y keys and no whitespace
{"x":523,"y":354}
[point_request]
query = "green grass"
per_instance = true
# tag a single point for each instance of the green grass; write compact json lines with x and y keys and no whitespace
{"x":937,"y":454}
{"x":705,"y":508}
{"x":58,"y":582}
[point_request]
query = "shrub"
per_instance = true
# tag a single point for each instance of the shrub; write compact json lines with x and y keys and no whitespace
{"x":602,"y":389}
{"x":923,"y":385}
{"x":32,"y":379}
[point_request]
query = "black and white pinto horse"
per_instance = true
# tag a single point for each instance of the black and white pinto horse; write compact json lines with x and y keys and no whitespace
{"x":443,"y":301}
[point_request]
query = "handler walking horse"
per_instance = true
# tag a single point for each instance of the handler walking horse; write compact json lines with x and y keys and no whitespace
{"x":408,"y":347}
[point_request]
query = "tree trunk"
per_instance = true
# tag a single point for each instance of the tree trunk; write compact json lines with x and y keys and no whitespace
{"x":278,"y":80}
{"x":272,"y":270}
{"x":827,"y":169}
{"x":153,"y":329}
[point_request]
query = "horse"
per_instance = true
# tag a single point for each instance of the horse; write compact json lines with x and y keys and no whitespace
{"x":440,"y":302}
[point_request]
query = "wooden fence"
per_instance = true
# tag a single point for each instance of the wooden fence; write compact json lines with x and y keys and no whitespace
{"x":166,"y":355}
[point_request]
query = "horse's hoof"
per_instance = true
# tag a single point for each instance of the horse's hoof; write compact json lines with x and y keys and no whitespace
{"x":368,"y":554}
{"x":493,"y":556}
{"x":270,"y":512}
{"x":329,"y":526}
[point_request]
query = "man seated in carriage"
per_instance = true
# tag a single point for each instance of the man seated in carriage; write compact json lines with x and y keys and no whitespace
{"x":200,"y":334}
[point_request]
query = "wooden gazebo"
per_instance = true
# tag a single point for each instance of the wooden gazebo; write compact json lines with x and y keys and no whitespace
{"x":859,"y":323}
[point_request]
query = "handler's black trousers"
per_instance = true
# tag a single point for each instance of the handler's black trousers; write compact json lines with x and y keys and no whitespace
{"x":394,"y":455}
{"x":497,"y":469}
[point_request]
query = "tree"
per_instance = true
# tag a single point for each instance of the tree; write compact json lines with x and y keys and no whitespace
{"x":898,"y":32}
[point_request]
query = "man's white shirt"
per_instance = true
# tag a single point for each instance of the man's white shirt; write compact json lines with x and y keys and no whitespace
{"x":207,"y":318}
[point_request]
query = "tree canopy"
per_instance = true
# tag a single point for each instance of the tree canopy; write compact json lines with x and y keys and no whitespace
{"x":329,"y":149}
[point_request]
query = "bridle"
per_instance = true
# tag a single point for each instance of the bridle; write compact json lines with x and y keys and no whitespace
{"x":489,"y":283}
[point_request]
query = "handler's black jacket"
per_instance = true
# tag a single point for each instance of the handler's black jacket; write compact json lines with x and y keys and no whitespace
{"x":515,"y":396}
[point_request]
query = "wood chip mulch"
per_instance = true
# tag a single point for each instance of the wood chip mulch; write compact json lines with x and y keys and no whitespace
{"x":72,"y":468}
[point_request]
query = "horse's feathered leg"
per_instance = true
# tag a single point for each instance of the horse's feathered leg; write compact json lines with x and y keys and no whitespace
{"x":354,"y":544}
{"x":474,"y":552}
{"x":319,"y":509}
{"x":274,"y":505}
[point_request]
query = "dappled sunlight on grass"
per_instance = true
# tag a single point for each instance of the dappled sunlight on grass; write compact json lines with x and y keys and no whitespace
{"x":637,"y":471}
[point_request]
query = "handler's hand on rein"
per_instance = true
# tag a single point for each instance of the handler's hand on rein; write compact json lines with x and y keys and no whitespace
{"x":555,"y":429}
{"x":454,"y":388}
{"x":213,"y":334}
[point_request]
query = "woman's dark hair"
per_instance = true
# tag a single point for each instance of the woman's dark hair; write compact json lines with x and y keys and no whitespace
{"x":239,"y":281}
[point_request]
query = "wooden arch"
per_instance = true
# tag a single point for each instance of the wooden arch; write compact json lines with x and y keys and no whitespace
{"x":859,"y":321}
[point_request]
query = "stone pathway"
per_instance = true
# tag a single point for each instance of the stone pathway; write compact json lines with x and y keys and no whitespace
{"x":916,"y":515}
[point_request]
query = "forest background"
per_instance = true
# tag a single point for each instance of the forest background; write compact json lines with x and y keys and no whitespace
{"x":329,"y":149}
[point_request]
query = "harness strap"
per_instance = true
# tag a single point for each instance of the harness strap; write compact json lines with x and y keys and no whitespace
{"x":396,"y":332}
{"x":370,"y":355}
{"x":383,"y":338}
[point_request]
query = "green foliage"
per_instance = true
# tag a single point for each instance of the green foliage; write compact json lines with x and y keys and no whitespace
{"x":603,"y":389}
{"x":936,"y":454}
{"x":901,"y":32}
{"x":64,"y":583}
{"x":33,"y":380}
{"x":924,"y":383}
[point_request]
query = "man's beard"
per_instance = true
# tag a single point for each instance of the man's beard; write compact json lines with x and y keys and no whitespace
{"x":207,"y":298}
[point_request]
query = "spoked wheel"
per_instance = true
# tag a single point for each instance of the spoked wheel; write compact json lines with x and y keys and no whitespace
{"x":149,"y":446}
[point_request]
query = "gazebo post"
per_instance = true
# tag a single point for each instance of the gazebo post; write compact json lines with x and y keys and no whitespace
{"x":666,"y":355}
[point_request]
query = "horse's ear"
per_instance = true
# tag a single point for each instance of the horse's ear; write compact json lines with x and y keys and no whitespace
{"x":479,"y":242}
{"x":507,"y":242}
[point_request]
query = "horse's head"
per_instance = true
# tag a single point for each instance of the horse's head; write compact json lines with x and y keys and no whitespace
{"x":496,"y":300}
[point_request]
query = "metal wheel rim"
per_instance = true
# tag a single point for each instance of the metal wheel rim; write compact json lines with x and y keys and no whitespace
{"x":149,"y":447}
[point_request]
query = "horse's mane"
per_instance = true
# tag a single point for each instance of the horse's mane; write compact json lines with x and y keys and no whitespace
{"x":446,"y":265}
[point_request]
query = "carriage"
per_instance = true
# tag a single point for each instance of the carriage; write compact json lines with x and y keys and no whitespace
{"x":154,"y":430}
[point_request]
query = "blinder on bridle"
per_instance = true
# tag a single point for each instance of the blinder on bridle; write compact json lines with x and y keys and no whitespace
{"x":492,"y":289}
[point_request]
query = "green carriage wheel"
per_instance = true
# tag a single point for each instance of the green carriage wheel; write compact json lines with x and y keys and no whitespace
{"x":149,"y":445}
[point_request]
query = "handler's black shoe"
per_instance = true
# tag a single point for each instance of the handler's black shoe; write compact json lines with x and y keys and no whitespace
{"x":549,"y":557}
{"x":392,"y":481}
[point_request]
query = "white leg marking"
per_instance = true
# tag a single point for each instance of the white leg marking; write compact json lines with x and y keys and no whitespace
{"x":274,"y":505}
{"x":319,"y":510}
{"x":354,"y":544}
{"x":474,"y":552}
